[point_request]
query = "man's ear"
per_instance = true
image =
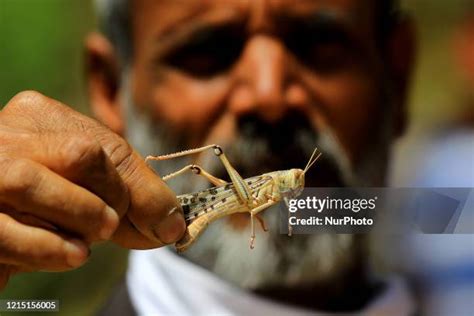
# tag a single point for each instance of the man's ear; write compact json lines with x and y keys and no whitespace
{"x":103,"y":82}
{"x":400,"y":52}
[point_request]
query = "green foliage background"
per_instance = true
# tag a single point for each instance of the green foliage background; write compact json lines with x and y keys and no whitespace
{"x":41,"y":49}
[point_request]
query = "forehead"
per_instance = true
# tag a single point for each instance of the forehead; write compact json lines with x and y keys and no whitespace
{"x":159,"y":18}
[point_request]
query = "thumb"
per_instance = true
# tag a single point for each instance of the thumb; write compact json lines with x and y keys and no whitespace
{"x":154,"y":210}
{"x":154,"y":217}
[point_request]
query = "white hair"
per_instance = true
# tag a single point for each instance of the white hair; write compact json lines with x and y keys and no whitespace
{"x":114,"y":22}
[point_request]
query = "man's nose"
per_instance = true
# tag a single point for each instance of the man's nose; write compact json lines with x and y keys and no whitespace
{"x":262,"y":78}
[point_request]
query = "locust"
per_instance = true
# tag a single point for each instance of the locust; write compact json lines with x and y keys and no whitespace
{"x":252,"y":195}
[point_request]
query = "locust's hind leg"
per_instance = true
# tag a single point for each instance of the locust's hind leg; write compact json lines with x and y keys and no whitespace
{"x":242,"y":189}
{"x":196,"y":170}
{"x":180,"y":153}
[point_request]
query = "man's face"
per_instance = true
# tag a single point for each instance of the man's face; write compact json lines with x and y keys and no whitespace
{"x":203,"y":66}
{"x":268,"y":81}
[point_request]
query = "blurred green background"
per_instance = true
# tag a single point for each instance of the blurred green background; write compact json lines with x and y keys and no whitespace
{"x":41,"y":48}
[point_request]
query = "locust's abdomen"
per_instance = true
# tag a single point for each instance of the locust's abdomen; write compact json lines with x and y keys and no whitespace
{"x":197,"y":225}
{"x":204,"y":207}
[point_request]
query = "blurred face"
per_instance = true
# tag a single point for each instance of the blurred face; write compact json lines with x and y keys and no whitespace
{"x":269,"y":81}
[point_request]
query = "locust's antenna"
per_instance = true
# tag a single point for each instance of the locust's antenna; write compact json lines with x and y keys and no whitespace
{"x":312,"y":159}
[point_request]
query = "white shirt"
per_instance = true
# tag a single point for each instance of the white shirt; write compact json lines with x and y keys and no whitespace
{"x":162,"y":283}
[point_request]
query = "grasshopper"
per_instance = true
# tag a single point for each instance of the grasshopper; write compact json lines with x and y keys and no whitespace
{"x":252,"y":195}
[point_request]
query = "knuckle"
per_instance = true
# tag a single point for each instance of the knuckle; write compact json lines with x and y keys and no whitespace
{"x":42,"y":256}
{"x":56,"y":255}
{"x":93,"y":221}
{"x":26,"y":99}
{"x":120,"y":153}
{"x":109,"y":226}
{"x":80,"y":150}
{"x":19,"y":176}
{"x":9,"y":246}
{"x":96,"y":222}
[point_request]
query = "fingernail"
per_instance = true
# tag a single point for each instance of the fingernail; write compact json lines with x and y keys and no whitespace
{"x":111,"y":221}
{"x":77,"y":252}
{"x":172,"y":227}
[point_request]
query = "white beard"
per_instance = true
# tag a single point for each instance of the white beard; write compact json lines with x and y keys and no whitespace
{"x":276,"y":260}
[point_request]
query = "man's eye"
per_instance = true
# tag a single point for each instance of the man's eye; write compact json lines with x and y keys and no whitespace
{"x":325,"y":51}
{"x":207,"y":54}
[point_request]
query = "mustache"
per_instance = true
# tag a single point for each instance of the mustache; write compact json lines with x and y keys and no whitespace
{"x":288,"y":143}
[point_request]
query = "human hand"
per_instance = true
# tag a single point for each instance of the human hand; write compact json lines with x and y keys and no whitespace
{"x":68,"y":181}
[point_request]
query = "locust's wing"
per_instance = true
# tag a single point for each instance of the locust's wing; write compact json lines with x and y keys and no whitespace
{"x":215,"y":198}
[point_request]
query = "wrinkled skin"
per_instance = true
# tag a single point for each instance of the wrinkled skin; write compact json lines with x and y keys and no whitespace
{"x":67,"y":182}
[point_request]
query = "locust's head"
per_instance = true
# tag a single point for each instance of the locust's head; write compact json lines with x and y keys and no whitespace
{"x":292,"y":181}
